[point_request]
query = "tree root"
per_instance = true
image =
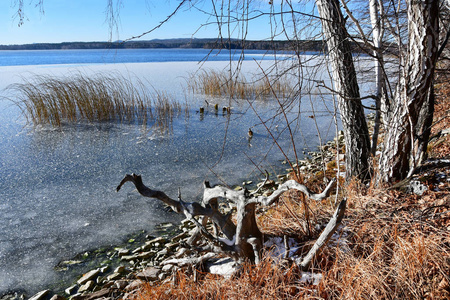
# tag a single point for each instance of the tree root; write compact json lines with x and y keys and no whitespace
{"x":242,"y":241}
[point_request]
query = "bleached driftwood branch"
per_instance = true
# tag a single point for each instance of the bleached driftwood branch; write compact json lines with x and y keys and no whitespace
{"x":294,"y":185}
{"x":189,"y":261}
{"x":243,"y":240}
{"x":325,"y":235}
{"x":189,"y":209}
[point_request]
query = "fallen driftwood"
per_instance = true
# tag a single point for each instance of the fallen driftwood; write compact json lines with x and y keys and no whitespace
{"x":243,"y":240}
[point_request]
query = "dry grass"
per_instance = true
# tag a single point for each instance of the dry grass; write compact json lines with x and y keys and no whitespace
{"x":294,"y":217}
{"x":266,"y":281}
{"x":440,"y":146}
{"x":394,"y":251}
{"x":98,"y":98}
{"x":216,"y":83}
{"x":392,"y":246}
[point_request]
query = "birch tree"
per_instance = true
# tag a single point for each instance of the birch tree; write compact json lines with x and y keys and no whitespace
{"x":407,"y":116}
{"x":377,"y":34}
{"x":356,"y":133}
{"x":408,"y":120}
{"x":406,"y":113}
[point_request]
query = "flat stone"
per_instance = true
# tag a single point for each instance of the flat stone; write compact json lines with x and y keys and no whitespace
{"x":162,"y":276}
{"x":71,"y":290}
{"x":129,"y":257}
{"x":123,"y":251}
{"x":87,"y":286}
{"x":40,"y":295}
{"x":156,"y":240}
{"x":167,"y":268}
{"x":88,"y":276}
{"x":57,"y":297}
{"x":172,"y":245}
{"x":166,"y":225}
{"x":181,"y":252}
{"x":114,"y":276}
{"x":148,"y":274}
{"x":134,"y":285}
{"x":146,"y":255}
{"x":77,"y":296}
{"x":96,"y":295}
{"x":108,"y":285}
{"x":120,"y":269}
{"x":70,"y":262}
{"x":162,"y":253}
{"x":121,"y":284}
{"x":137,"y":250}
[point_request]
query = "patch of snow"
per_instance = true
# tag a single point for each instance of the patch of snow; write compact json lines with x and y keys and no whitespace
{"x":340,"y":174}
{"x":417,"y":187}
{"x":225,"y":267}
{"x":276,"y":249}
{"x":311,"y":278}
{"x":340,"y":239}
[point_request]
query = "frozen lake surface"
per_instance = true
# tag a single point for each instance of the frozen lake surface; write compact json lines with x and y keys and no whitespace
{"x":57,"y":187}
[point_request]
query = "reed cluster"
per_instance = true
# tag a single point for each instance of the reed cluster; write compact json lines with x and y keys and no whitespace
{"x":78,"y":97}
{"x":215,"y":83}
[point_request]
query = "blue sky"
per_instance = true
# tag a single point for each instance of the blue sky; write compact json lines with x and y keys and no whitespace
{"x":85,"y":20}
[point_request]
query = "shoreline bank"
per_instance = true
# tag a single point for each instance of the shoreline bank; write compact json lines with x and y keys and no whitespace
{"x":126,"y":267}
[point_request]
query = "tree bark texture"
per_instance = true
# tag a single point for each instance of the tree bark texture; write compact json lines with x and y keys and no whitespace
{"x":408,"y":120}
{"x":377,"y":34}
{"x":356,"y":133}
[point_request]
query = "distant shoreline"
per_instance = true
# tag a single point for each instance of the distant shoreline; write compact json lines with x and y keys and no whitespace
{"x":175,"y":43}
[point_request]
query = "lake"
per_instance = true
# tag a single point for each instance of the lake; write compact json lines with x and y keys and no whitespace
{"x":57,"y":187}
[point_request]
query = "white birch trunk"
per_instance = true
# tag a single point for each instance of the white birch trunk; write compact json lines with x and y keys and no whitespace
{"x":409,"y":118}
{"x":356,"y":133}
{"x":377,"y":34}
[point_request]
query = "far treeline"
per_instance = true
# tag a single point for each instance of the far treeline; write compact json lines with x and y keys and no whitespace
{"x":176,"y":43}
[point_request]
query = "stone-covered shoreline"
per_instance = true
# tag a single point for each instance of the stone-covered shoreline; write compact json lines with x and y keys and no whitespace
{"x":121,"y":272}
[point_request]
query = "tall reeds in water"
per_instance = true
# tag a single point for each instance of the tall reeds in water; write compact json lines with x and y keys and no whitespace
{"x":215,"y":83}
{"x":78,"y":97}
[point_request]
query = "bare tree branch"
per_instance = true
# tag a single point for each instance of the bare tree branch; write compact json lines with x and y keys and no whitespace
{"x":292,"y":184}
{"x":325,"y":235}
{"x":161,"y":23}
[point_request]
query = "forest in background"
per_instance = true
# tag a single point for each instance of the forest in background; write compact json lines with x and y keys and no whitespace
{"x":187,"y":43}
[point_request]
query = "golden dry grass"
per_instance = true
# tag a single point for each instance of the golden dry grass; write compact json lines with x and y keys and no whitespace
{"x":98,"y":98}
{"x":215,"y":83}
{"x":265,"y":281}
{"x":395,"y":251}
{"x":392,"y":246}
